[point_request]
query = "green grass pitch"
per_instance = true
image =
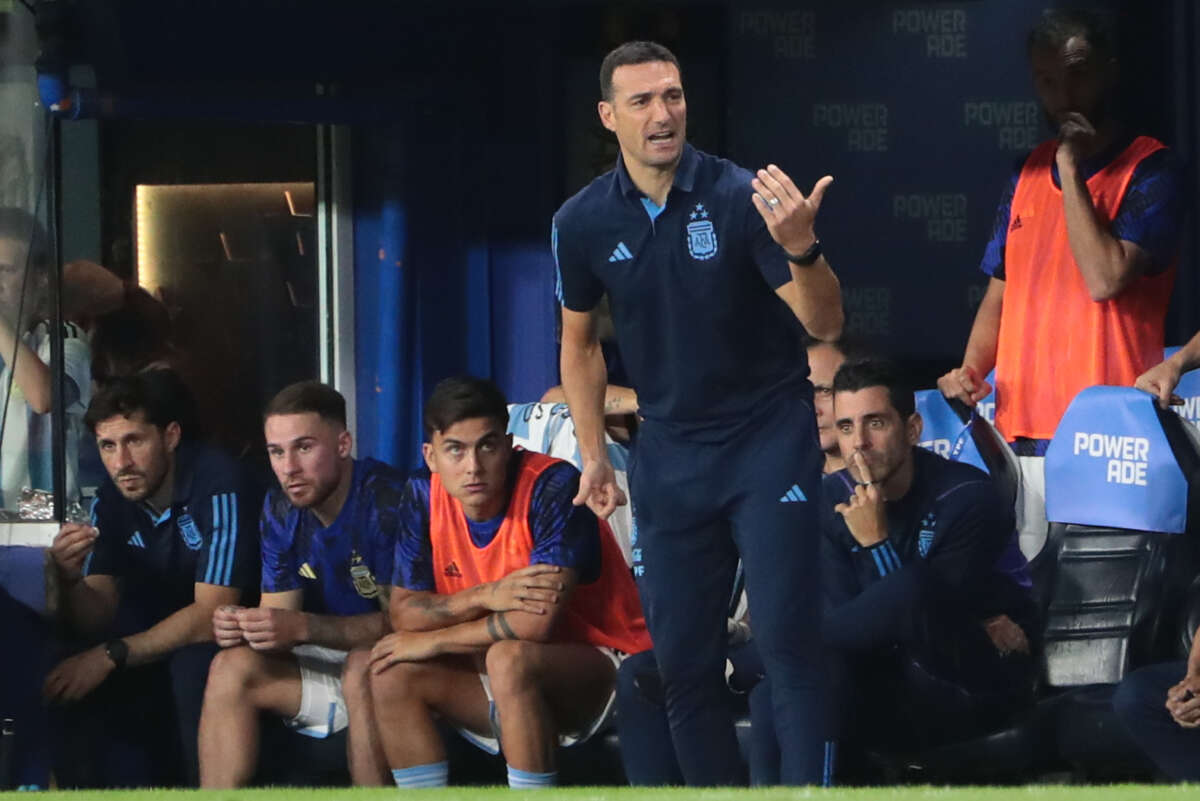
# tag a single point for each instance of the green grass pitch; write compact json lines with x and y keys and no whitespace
{"x":1123,"y":792}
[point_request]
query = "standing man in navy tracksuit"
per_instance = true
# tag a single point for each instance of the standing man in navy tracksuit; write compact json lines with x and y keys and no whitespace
{"x":705,"y":306}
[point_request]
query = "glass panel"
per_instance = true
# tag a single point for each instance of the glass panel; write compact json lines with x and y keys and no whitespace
{"x":237,"y":266}
{"x":25,"y":311}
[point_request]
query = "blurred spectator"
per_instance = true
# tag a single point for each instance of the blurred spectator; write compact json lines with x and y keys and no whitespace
{"x":25,"y":380}
{"x":135,"y":336}
{"x":171,"y":538}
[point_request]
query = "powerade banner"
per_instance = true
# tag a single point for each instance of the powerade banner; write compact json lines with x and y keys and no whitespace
{"x":920,"y":112}
{"x":943,"y":432}
{"x":1189,"y":390}
{"x":1109,"y":464}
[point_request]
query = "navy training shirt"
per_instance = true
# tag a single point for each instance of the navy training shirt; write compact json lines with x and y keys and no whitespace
{"x":206,"y":535}
{"x":339,"y":567}
{"x":692,"y":288}
{"x":952,"y":529}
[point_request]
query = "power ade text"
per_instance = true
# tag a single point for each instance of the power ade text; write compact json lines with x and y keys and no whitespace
{"x":792,"y":33}
{"x":944,"y":29}
{"x":1128,"y":457}
{"x":865,"y":124}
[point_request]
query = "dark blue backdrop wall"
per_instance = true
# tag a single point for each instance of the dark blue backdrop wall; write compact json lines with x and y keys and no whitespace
{"x":477,"y":119}
{"x":920,"y":111}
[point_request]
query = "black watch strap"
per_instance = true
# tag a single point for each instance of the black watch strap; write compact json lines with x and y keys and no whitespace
{"x":117,"y":651}
{"x":808,"y":257}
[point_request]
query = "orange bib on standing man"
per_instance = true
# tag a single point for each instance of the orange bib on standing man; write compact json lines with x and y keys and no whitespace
{"x":1054,"y":339}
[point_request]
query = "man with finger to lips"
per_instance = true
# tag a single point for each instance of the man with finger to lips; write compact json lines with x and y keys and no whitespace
{"x":928,"y":602}
{"x":328,"y":533}
{"x":711,"y":272}
{"x":1081,"y":260}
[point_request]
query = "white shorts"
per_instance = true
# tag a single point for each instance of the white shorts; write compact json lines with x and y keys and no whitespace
{"x":1031,"y":505}
{"x":322,"y":706}
{"x":491,"y":744}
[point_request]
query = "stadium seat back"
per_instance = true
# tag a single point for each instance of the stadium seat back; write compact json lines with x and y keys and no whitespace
{"x":1117,"y":487}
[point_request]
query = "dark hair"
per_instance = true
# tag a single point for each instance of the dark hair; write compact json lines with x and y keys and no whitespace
{"x":306,"y":397}
{"x":863,"y":373}
{"x":852,"y":348}
{"x":22,"y":226}
{"x":631,"y":53}
{"x":464,"y":398}
{"x":159,"y":395}
{"x":1057,"y":25}
{"x":128,"y":339}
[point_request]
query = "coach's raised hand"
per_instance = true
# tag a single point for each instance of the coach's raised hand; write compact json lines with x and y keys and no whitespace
{"x":789,"y":215}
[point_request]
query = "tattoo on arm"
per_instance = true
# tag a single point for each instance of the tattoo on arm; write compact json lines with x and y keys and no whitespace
{"x":431,"y":605}
{"x":498,"y":628}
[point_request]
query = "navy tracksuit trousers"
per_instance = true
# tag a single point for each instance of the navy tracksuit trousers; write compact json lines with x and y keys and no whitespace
{"x":699,"y":501}
{"x":1139,"y":703}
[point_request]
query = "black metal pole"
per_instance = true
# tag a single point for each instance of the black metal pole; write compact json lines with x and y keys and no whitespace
{"x":58,"y":411}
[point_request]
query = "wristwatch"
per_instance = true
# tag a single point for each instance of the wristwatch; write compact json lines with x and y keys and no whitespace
{"x":808,"y":257}
{"x":117,"y":651}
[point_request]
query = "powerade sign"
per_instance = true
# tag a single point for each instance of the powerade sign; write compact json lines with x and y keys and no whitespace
{"x":1109,"y":464}
{"x":944,"y":433}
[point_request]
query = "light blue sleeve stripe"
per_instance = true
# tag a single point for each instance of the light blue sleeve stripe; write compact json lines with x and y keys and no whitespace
{"x":224,"y":557}
{"x":895,"y":557}
{"x":878,"y":563}
{"x":558,"y":289}
{"x":214,"y":548}
{"x":885,"y":557}
{"x":233,"y":535}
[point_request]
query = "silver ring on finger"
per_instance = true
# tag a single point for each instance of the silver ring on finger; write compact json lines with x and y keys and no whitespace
{"x":772,"y":202}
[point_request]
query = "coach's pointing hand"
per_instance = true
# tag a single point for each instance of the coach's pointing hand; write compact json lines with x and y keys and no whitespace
{"x":598,"y":488}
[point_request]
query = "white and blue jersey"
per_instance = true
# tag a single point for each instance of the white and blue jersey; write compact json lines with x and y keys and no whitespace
{"x":339,"y":567}
{"x":206,"y":535}
{"x":692,"y":290}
